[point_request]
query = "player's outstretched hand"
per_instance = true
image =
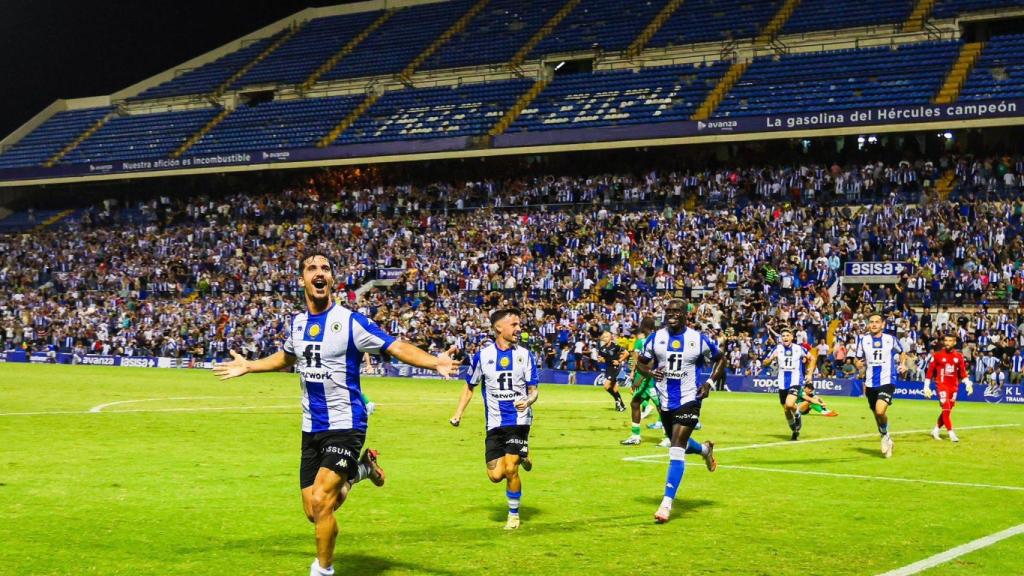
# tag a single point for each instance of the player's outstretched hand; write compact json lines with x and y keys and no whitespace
{"x":238,"y":366}
{"x":445,"y":364}
{"x":454,"y":421}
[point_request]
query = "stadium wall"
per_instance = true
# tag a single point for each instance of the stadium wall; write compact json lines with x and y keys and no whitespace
{"x":909,"y":390}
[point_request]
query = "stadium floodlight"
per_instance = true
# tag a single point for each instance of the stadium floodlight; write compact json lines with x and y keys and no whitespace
{"x":860,"y":139}
{"x":948,"y":135}
{"x":560,"y":64}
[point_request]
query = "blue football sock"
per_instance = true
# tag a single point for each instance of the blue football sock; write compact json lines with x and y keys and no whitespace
{"x":694,"y":447}
{"x":513,"y":501}
{"x":676,"y":466}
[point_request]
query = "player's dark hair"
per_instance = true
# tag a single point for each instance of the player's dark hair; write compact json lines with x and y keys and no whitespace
{"x":787,"y":329}
{"x":502,"y":313}
{"x":647,"y":325}
{"x":306,"y":255}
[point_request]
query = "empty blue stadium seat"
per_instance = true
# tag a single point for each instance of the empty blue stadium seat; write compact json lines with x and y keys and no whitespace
{"x":951,"y":8}
{"x":656,"y":94}
{"x":812,"y":15}
{"x":495,"y":34}
{"x":140,"y":136}
{"x":51,"y":137}
{"x":446,"y":111}
{"x":310,"y":47}
{"x":715,"y":20}
{"x":270,"y":125}
{"x":208,"y":77}
{"x":841,"y":79}
{"x":610,"y":24}
{"x":999,"y":71}
{"x":403,"y":37}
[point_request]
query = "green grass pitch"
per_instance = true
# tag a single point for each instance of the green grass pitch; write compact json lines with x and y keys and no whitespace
{"x":182,"y":474}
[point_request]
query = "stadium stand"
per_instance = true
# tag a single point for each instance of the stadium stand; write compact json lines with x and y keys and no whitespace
{"x":398,"y":41}
{"x":841,"y":79}
{"x":495,"y":34}
{"x":49,"y":138}
{"x":609,"y":25}
{"x":270,"y":125}
{"x":142,"y":136}
{"x":194,"y":277}
{"x":208,"y":77}
{"x":953,"y":8}
{"x":814,"y":15}
{"x":999,"y":72}
{"x":657,"y":94}
{"x":295,"y":60}
{"x":419,"y":113}
{"x":714,"y":20}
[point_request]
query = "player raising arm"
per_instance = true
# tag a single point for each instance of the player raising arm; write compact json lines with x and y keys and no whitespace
{"x":796,"y":367}
{"x":948,"y":370}
{"x":325,"y":345}
{"x":672,"y":357}
{"x":509,"y":376}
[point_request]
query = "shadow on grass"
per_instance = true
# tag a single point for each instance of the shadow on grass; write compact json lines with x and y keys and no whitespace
{"x":361,"y":564}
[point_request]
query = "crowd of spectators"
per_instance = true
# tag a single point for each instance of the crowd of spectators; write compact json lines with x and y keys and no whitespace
{"x":752,"y":249}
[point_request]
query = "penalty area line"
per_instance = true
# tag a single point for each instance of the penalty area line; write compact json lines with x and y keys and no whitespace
{"x":953,"y":553}
{"x":657,"y":458}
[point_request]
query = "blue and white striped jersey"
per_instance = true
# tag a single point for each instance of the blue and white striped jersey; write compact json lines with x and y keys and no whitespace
{"x":329,"y":348}
{"x":880,"y":354}
{"x":505,"y":374}
{"x":791,"y":365}
{"x":679,"y":356}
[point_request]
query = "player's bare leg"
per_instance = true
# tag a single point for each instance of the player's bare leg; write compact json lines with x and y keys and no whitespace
{"x":635,"y":406}
{"x":882,"y":419}
{"x":327,"y":493}
{"x":793,"y":416}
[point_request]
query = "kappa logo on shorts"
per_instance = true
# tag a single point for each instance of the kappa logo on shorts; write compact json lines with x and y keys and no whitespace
{"x":342,"y":463}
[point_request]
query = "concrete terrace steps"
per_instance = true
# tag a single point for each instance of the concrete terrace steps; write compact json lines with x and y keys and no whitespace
{"x":958,"y":74}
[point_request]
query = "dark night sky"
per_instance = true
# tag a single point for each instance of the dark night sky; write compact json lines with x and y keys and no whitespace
{"x":67,"y":49}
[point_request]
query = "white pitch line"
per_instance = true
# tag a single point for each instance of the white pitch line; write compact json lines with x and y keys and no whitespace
{"x":100,"y":407}
{"x":662,"y":456}
{"x":865,"y":477}
{"x":952,"y":553}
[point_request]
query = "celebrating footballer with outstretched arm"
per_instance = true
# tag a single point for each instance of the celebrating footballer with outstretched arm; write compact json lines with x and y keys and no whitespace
{"x":326,"y":344}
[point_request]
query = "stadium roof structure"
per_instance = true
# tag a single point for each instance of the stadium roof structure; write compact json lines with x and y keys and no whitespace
{"x":398,"y":80}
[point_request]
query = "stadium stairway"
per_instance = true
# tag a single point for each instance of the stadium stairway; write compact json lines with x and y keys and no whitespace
{"x":954,"y":82}
{"x":458,"y":26}
{"x":715,"y":97}
{"x":346,"y":50}
{"x":520,"y":56}
{"x":202,"y":132}
{"x":349,"y":120}
{"x":922,"y":10}
{"x":637,"y":46}
{"x":81,"y":138}
{"x":777,"y":22}
{"x":510,"y":116}
{"x":220,"y":90}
